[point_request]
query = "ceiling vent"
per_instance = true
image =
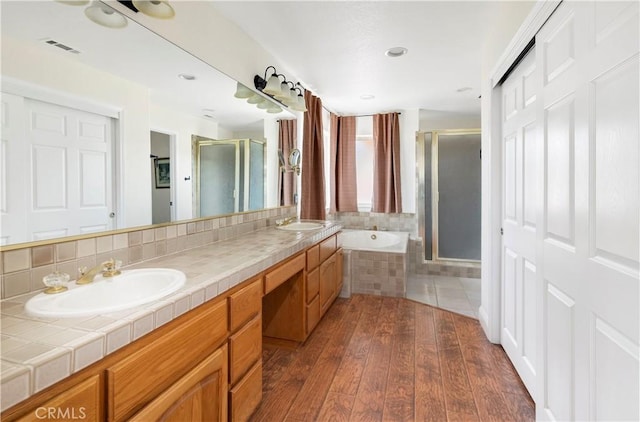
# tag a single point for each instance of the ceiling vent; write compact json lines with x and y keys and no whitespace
{"x":62,"y":46}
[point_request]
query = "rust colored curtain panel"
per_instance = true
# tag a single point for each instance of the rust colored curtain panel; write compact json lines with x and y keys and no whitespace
{"x":312,"y":205}
{"x":287,"y":140}
{"x":386,"y":164}
{"x":344,"y":195}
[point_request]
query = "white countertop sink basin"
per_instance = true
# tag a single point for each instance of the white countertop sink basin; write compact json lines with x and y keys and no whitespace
{"x":300,"y":226}
{"x":104,"y":295}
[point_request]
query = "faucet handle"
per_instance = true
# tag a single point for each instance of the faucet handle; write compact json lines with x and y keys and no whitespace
{"x":109,"y":265}
{"x":111,"y":268}
{"x":81,"y":271}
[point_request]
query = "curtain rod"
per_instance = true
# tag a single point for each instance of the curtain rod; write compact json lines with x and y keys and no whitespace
{"x":358,"y":115}
{"x":367,"y":115}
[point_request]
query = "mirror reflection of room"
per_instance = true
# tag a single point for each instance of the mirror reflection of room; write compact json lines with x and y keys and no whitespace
{"x":69,"y":72}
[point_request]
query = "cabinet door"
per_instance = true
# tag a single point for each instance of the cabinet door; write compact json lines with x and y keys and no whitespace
{"x":83,"y":401}
{"x":339,"y":270}
{"x":327,"y":283}
{"x":313,"y":285}
{"x":200,"y":395}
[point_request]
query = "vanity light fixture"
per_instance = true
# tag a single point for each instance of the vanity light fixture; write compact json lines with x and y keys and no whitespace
{"x":105,"y":16}
{"x":155,"y":8}
{"x":243,"y":92}
{"x":283,"y":91}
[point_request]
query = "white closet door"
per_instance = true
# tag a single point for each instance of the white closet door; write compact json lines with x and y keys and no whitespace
{"x":519,"y":136}
{"x":587,"y":58}
{"x":70,"y":180}
{"x":13,"y":171}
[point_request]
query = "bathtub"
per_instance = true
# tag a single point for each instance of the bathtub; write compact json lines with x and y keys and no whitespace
{"x":375,"y":262}
{"x":374,"y":241}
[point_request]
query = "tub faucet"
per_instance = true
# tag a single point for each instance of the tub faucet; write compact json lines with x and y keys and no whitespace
{"x":375,"y":228}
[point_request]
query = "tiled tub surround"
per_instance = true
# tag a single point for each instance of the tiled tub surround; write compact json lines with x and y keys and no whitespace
{"x":22,"y":269}
{"x":374,"y":270}
{"x":38,"y":352}
{"x":366,"y":221}
{"x":377,"y":273}
{"x":406,"y":222}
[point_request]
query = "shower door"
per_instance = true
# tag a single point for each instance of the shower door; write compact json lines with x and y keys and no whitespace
{"x":449,"y":175}
{"x":229,"y":175}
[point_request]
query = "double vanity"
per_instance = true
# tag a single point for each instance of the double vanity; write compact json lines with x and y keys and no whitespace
{"x":200,"y":355}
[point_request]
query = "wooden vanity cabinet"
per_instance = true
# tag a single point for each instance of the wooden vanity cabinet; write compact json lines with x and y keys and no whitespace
{"x":200,"y":395}
{"x":205,"y":365}
{"x":152,"y":371}
{"x":339,"y":270}
{"x":245,"y":350}
{"x":283,"y":306}
{"x":330,"y":278}
{"x":327,"y":283}
{"x":84,"y":401}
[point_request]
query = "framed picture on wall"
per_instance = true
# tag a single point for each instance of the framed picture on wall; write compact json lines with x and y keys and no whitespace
{"x":162,"y":172}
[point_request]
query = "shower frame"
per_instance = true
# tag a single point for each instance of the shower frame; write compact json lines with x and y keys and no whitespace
{"x":421,"y":195}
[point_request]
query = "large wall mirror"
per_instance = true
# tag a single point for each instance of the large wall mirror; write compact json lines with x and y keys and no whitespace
{"x":97,"y":124}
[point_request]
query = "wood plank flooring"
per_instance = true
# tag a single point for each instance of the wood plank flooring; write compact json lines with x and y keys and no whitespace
{"x":376,"y":358}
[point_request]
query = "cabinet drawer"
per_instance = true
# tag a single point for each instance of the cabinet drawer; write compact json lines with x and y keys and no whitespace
{"x":246,"y":396}
{"x":245,"y":304}
{"x":313,"y":314}
{"x":313,"y":284}
{"x":327,"y":248}
{"x":313,"y":257}
{"x":283,"y":272}
{"x":245,"y":349}
{"x":83,"y":402}
{"x":140,"y":377}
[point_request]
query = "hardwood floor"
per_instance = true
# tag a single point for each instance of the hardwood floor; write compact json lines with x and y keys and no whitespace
{"x":387,"y":359}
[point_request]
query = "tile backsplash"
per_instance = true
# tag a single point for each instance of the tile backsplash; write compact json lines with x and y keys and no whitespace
{"x":22,"y":269}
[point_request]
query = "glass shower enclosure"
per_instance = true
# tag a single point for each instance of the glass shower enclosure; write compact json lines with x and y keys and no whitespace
{"x":229,"y":175}
{"x":450,"y":194}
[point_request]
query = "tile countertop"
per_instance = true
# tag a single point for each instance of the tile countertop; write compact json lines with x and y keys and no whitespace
{"x":38,"y":352}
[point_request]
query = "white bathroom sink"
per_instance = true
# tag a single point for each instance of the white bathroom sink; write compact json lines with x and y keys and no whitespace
{"x":127,"y":290}
{"x":300,"y":226}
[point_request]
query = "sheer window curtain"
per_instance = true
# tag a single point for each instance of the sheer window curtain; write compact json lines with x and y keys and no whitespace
{"x":312,"y":204}
{"x":344,"y":195}
{"x":386,"y":167}
{"x":287,"y":140}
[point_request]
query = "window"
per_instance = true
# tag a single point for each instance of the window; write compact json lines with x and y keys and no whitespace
{"x":364,"y":162}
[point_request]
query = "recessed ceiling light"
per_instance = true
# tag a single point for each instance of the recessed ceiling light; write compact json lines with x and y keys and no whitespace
{"x":396,"y":52}
{"x":367,"y":97}
{"x":463,"y":89}
{"x":186,"y":77}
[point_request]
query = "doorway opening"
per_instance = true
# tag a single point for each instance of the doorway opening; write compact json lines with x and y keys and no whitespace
{"x":162,"y":177}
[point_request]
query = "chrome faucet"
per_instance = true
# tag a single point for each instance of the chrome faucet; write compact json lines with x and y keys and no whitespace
{"x":108,"y":269}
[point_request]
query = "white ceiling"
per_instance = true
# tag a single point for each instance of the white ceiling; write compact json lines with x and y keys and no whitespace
{"x":336,"y":49}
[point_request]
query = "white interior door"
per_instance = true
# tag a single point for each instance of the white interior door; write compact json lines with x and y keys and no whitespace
{"x":13,"y":174}
{"x":587,"y":59}
{"x":519,"y":136}
{"x":64,"y":161}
